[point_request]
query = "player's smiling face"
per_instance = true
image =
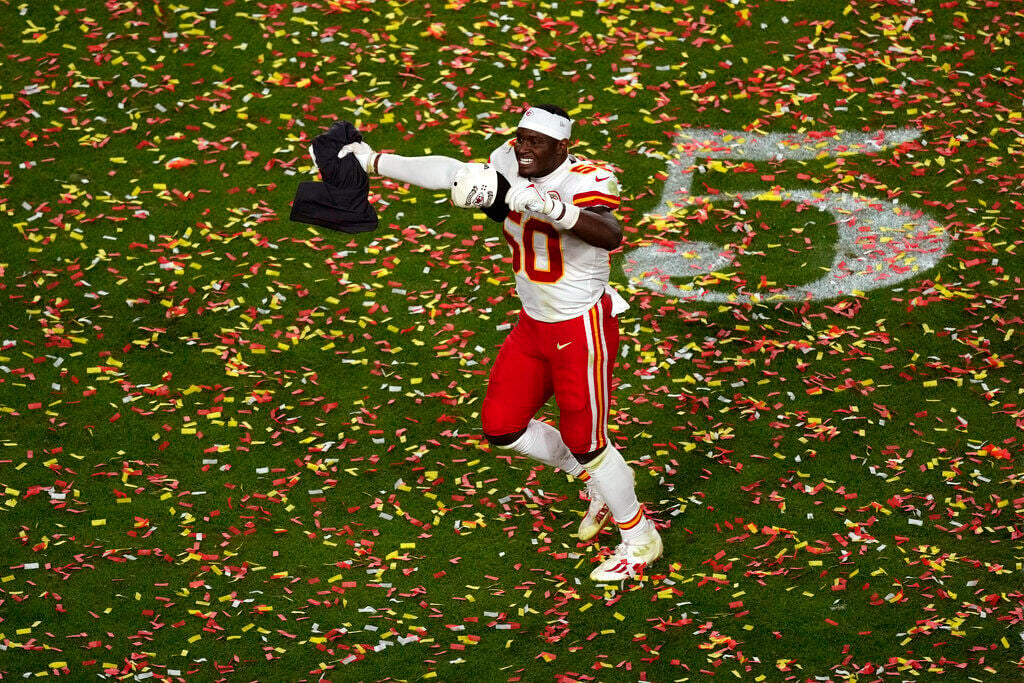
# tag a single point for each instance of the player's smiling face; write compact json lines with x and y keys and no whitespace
{"x":538,"y":154}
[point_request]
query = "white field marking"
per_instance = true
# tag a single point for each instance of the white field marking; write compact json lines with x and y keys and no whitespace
{"x":880,"y":243}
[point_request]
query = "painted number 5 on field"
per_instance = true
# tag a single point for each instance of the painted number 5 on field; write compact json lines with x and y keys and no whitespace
{"x":880,"y":242}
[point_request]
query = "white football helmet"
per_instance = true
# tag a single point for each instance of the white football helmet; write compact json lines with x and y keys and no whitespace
{"x":475,"y":186}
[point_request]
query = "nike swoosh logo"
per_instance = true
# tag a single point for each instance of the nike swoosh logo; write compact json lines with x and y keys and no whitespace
{"x":601,"y":180}
{"x":562,"y":346}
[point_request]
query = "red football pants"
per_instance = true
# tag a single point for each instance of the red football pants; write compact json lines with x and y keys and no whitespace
{"x":570,"y":360}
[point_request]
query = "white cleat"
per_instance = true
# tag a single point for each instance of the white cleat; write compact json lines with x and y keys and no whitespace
{"x":629,"y":559}
{"x":598,"y":515}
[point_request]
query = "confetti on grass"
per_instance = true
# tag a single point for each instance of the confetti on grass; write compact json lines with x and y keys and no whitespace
{"x":234,"y":447}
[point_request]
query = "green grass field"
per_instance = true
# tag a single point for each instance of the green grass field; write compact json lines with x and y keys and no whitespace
{"x":236,"y":447}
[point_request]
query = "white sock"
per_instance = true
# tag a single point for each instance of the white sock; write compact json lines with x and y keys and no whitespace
{"x":614,"y":481}
{"x":543,"y":443}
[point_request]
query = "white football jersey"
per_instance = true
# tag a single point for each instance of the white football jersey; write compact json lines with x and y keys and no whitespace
{"x":558,"y":275}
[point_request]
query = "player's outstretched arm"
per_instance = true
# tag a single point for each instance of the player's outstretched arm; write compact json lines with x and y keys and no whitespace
{"x":472,"y":185}
{"x":429,"y":172}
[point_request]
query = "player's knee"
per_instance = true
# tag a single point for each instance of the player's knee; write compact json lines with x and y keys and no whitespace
{"x":504,"y":440}
{"x":499,"y":431}
{"x":589,"y":456}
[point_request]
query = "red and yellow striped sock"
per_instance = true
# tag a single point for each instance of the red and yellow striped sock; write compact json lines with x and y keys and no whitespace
{"x":633,"y":521}
{"x":636,"y":527}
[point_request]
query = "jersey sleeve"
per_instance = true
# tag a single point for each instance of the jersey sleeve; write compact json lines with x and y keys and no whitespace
{"x":597,"y":188}
{"x":504,"y":161}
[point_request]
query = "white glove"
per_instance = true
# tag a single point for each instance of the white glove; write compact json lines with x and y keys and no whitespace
{"x":364,"y":153}
{"x":528,"y":198}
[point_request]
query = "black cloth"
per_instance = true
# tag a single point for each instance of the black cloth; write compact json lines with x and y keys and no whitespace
{"x":341,"y":202}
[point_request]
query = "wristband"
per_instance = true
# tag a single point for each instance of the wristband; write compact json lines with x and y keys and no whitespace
{"x":570,"y":216}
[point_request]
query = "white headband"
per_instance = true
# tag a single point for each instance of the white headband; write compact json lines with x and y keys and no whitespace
{"x":542,"y":121}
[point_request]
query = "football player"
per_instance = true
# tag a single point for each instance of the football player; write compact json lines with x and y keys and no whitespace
{"x":558,"y":220}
